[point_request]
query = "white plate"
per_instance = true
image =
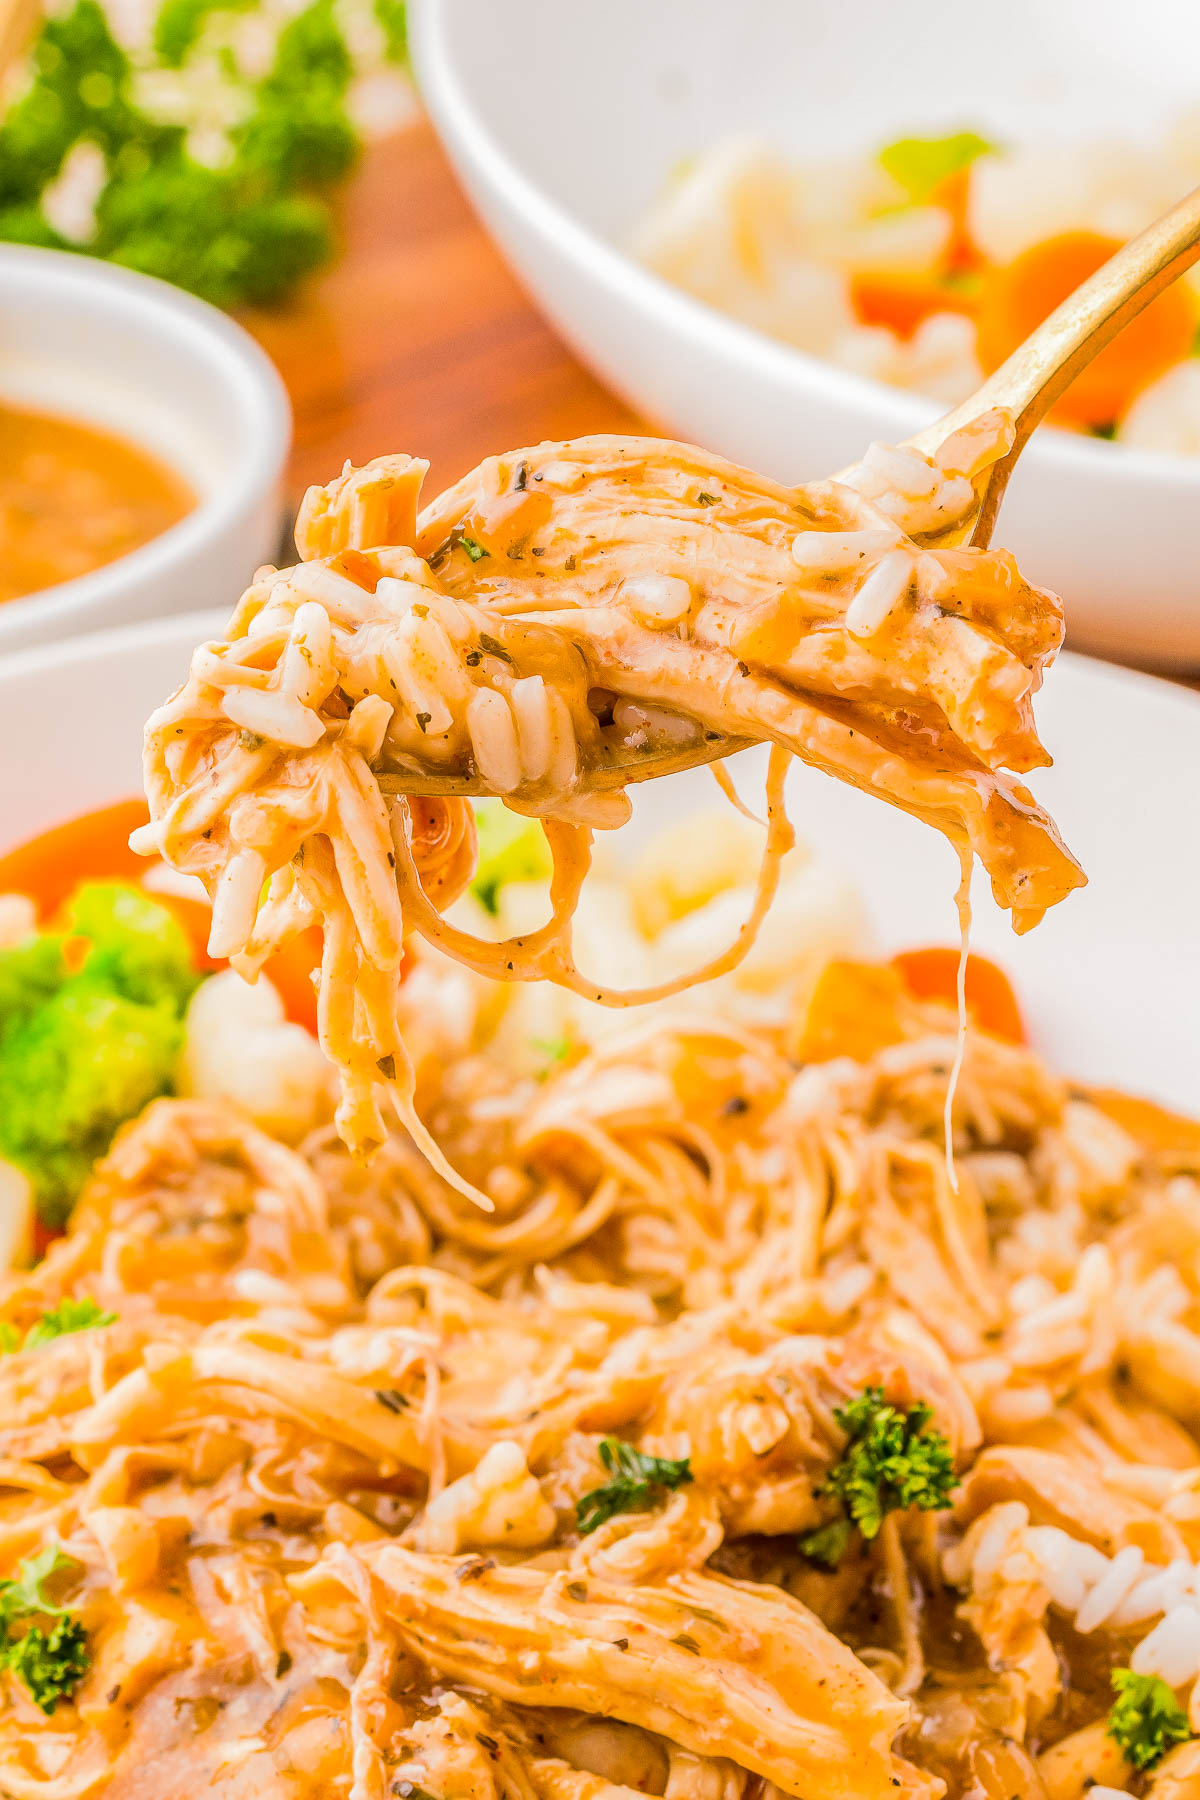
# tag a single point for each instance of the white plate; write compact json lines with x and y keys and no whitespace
{"x":1110,"y":981}
{"x":564,"y":120}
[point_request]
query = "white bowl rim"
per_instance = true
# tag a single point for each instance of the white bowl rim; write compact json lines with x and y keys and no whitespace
{"x":256,"y":460}
{"x":448,"y":100}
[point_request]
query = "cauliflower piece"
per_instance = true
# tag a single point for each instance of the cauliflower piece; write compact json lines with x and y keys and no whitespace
{"x":499,"y":1502}
{"x":1166,"y":415}
{"x":689,"y":863}
{"x":239,"y":1048}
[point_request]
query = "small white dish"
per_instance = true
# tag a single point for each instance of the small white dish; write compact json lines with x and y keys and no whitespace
{"x":1110,"y":982}
{"x":564,"y":121}
{"x":138,"y":358}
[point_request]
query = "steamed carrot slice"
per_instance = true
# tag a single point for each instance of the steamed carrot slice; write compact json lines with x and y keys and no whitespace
{"x":932,"y":974}
{"x":902,"y":301}
{"x":93,"y":847}
{"x":1015,"y":299}
{"x":856,"y":1010}
{"x":1152,"y":1125}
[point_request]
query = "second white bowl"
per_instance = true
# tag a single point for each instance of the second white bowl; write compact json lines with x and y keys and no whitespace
{"x":140,"y":359}
{"x":564,"y":121}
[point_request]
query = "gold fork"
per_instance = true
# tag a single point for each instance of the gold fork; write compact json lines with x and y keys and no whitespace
{"x":1026,"y":386}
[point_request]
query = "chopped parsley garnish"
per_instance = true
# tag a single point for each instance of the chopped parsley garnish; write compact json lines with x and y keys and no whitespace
{"x":637,"y":1481}
{"x":474,"y":551}
{"x":893,"y":1460}
{"x":920,"y":165}
{"x":1146,"y":1719}
{"x":63,"y":1320}
{"x":50,"y":1656}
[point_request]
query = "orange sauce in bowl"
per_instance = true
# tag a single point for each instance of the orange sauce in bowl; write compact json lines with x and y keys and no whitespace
{"x":73,"y":498}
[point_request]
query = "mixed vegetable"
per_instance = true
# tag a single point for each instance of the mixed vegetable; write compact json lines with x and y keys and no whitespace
{"x":91,"y":1024}
{"x":197,"y":169}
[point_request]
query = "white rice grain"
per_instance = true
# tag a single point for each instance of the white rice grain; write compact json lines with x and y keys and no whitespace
{"x":235,"y":902}
{"x":531,"y":710}
{"x":1172,"y":1649}
{"x":493,"y":735}
{"x":277,"y":717}
{"x":1122,"y":1572}
{"x":880,"y":594}
{"x":837,"y":552}
{"x":656,"y":600}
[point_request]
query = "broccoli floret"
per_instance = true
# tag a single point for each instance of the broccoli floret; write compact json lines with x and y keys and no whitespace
{"x":180,"y":22}
{"x":510,"y":849}
{"x":311,"y":50}
{"x":82,"y":1051}
{"x":87,"y":1060}
{"x":137,"y":946}
{"x":1146,"y":1719}
{"x":299,"y":133}
{"x":301,"y":140}
{"x":210,"y":231}
{"x":79,"y":93}
{"x":30,"y":973}
{"x":246,"y":232}
{"x":393,"y":19}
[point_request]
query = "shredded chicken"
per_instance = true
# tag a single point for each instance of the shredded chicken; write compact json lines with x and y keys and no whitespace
{"x":319,"y":1479}
{"x":557,"y":614}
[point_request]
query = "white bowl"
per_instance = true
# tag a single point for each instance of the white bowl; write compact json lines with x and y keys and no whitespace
{"x":152,"y":364}
{"x":1110,"y":982}
{"x":563,"y":121}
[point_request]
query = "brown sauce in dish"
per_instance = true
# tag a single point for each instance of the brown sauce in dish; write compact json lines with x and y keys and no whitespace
{"x":73,"y":498}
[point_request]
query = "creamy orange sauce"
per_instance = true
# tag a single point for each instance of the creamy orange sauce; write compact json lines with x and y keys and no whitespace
{"x":73,"y":498}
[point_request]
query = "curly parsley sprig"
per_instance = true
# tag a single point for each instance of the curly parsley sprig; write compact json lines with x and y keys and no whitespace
{"x":63,"y":1320}
{"x":893,"y":1460}
{"x":1146,"y":1719}
{"x":42,"y":1643}
{"x":638,"y":1479}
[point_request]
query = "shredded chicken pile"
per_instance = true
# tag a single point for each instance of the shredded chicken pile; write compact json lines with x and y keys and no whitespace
{"x":560,"y":609}
{"x":320,"y":1477}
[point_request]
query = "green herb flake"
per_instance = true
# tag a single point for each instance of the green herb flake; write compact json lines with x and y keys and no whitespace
{"x":494,"y":647}
{"x":475,"y":551}
{"x":920,"y":165}
{"x":638,"y":1480}
{"x":1146,"y":1719}
{"x":63,"y":1320}
{"x":703,"y":499}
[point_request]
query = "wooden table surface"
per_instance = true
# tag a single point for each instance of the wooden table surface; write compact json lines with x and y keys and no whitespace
{"x":419,"y":338}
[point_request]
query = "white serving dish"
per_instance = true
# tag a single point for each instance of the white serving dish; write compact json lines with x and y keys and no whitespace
{"x":1110,"y":982}
{"x":563,"y":121}
{"x":149,"y":363}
